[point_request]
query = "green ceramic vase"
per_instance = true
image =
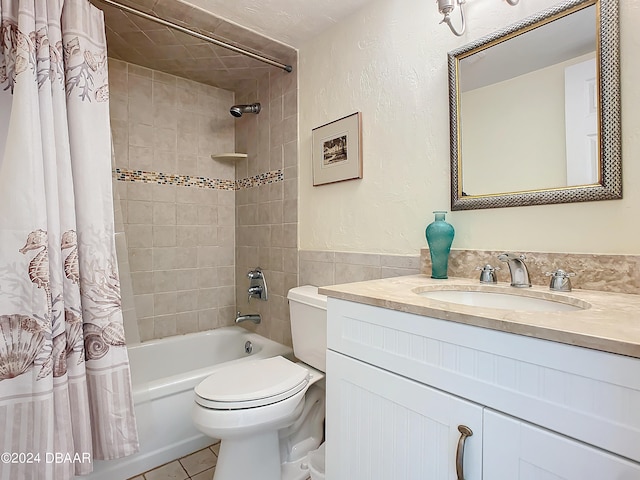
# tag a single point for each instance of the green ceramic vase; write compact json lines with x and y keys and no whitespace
{"x":439,"y":237}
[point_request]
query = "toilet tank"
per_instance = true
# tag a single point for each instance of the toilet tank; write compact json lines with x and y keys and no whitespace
{"x":308,"y":311}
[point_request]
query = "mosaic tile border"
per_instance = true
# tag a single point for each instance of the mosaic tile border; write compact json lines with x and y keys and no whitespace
{"x":142,"y":176}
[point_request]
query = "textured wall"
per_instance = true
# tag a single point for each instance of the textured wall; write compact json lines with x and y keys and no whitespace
{"x":389,"y":61}
{"x":181,"y":239}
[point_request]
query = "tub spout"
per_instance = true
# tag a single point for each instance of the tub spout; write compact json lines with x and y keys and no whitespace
{"x":252,"y":317}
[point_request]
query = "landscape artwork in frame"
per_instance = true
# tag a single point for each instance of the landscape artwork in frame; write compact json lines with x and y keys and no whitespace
{"x":337,"y":150}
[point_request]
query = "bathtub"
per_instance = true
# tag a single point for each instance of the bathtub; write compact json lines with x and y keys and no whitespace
{"x":164,"y":373}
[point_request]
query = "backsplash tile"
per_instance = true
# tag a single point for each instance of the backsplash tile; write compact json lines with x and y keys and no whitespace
{"x":613,"y":273}
{"x":610,"y":273}
{"x":323,"y":268}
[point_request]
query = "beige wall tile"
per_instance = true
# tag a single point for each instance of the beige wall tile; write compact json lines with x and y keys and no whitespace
{"x":140,"y":259}
{"x":164,"y":281}
{"x":165,"y":258}
{"x":187,"y":195}
{"x":207,"y":319}
{"x":142,"y":282}
{"x":187,"y":214}
{"x":164,"y":214}
{"x":186,"y":238}
{"x":139,"y":111}
{"x":139,"y":88}
{"x":146,"y":328}
{"x":144,"y":305}
{"x":165,"y":303}
{"x":316,"y":273}
{"x":141,"y":135}
{"x":164,"y":326}
{"x":164,"y":161}
{"x":187,"y":301}
{"x":139,"y":212}
{"x":186,"y":322}
{"x":164,"y":236}
{"x":120,"y":131}
{"x":140,"y":158}
{"x":346,"y":273}
{"x":166,"y":139}
{"x":187,"y":279}
{"x":207,"y":215}
{"x":187,"y":257}
{"x":139,"y":236}
{"x":357,"y":258}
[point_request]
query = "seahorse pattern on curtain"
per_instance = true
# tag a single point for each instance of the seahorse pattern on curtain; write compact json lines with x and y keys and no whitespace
{"x":65,"y":389}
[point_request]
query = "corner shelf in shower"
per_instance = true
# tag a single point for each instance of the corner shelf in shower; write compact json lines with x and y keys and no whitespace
{"x":229,"y":156}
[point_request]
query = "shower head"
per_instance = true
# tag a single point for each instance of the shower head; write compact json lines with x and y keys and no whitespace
{"x":238,"y":110}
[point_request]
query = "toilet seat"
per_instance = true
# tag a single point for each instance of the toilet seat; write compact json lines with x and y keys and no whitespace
{"x":252,"y":384}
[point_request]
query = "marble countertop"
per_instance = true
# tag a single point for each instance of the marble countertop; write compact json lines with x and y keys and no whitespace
{"x":610,"y":322}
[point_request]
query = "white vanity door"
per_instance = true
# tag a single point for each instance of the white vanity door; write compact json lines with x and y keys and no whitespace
{"x":516,"y":450}
{"x":381,"y":426}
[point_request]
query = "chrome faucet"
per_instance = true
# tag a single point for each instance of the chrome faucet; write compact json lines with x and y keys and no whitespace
{"x":257,"y":285}
{"x":255,"y":292}
{"x":560,"y":280}
{"x":517,"y":269}
{"x":252,"y":317}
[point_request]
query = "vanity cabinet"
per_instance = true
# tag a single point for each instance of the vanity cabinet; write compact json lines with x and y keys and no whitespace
{"x":385,"y":426}
{"x":517,"y":450}
{"x":400,"y":384}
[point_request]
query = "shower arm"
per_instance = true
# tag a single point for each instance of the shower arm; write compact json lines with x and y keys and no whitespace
{"x":215,"y":41}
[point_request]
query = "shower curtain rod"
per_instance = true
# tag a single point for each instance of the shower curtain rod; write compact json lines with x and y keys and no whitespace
{"x":220,"y":43}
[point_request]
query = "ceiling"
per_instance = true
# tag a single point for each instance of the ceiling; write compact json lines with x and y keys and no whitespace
{"x":291,"y":22}
{"x":272,"y":28}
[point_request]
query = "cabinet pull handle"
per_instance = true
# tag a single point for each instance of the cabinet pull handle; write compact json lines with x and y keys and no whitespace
{"x":464,"y":433}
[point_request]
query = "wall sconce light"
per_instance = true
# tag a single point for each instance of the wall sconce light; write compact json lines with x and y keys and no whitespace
{"x":445,"y":7}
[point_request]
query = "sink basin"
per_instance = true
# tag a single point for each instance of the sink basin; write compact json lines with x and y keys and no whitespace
{"x":499,"y":300}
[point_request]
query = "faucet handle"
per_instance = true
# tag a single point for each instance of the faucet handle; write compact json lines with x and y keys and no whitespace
{"x":560,"y":273}
{"x":255,"y":274}
{"x":560,"y":280}
{"x":488,"y":274}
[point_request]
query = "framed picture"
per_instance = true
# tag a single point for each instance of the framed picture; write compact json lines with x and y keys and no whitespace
{"x":337,"y":150}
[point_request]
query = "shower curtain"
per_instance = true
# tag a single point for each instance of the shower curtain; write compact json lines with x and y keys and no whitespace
{"x":65,"y":389}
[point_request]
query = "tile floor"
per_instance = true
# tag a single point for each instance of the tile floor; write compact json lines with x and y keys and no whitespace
{"x":196,"y":466}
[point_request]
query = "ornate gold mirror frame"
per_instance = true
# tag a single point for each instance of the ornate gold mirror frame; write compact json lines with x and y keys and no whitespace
{"x":609,"y":184}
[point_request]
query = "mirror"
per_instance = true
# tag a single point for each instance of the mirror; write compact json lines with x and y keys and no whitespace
{"x":535,"y":110}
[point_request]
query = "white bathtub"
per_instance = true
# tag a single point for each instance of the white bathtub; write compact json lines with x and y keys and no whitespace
{"x":164,"y":373}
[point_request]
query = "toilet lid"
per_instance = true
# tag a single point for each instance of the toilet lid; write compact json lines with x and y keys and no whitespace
{"x":252,"y":384}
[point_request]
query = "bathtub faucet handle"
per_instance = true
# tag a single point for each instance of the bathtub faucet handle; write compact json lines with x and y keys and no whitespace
{"x":257,"y":284}
{"x":255,"y":274}
{"x":255,"y":291}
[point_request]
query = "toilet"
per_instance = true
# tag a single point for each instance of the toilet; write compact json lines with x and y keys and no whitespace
{"x":269,"y":413}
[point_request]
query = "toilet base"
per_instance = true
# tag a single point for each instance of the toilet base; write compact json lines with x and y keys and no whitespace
{"x":298,"y":470}
{"x":234,"y":464}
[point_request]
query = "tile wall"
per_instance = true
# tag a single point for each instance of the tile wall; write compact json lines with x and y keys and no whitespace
{"x":267,"y":215}
{"x":609,"y":273}
{"x":181,"y":239}
{"x":612,"y":273}
{"x":323,"y":268}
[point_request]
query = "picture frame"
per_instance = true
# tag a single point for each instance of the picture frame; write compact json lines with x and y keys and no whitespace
{"x":337,"y":150}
